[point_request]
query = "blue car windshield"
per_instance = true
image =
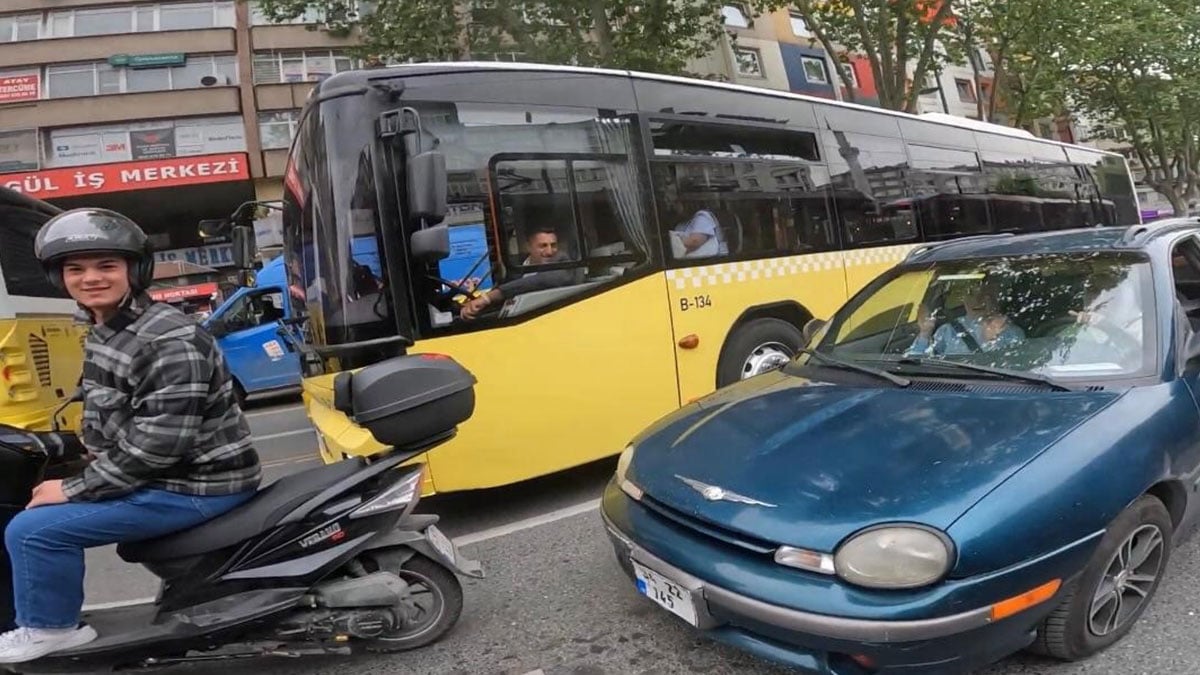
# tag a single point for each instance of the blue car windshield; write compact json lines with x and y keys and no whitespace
{"x":1088,"y":315}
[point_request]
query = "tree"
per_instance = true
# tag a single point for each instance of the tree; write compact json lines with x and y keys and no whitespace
{"x":891,"y":34}
{"x":1137,"y":73}
{"x":655,"y":35}
{"x":1020,"y":37}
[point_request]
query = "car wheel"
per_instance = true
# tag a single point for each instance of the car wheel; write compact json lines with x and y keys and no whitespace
{"x":757,"y":347}
{"x":1115,"y":588}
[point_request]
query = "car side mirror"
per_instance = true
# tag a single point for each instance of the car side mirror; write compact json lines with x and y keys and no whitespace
{"x":811,"y":329}
{"x":1191,"y":351}
{"x":216,"y":328}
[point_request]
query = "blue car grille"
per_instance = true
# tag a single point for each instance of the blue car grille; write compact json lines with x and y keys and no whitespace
{"x":715,"y":531}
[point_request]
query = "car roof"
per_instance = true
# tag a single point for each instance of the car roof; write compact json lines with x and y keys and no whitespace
{"x":1091,"y":239}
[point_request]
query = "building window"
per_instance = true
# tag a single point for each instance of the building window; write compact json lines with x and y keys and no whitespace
{"x":966,"y":90}
{"x":799,"y":27}
{"x":276,"y":129}
{"x":99,"y":78}
{"x":308,"y":66}
{"x":735,"y":16}
{"x":311,"y":15}
{"x":141,"y":18}
{"x":852,"y":73}
{"x":814,"y":69}
{"x":20,"y":27}
{"x":749,"y":62}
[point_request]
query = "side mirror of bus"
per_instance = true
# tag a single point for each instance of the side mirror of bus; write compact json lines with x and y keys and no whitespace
{"x":810,"y":330}
{"x":214,"y":227}
{"x":427,"y":186}
{"x":243,"y":247}
{"x":431,"y":244}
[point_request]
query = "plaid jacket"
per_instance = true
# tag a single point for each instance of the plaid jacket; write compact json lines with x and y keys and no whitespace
{"x":159,"y":409}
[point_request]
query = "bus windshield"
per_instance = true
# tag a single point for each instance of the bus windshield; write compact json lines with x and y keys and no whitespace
{"x":332,"y":221}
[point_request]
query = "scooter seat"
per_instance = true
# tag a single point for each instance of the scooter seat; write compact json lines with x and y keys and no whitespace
{"x":262,"y":512}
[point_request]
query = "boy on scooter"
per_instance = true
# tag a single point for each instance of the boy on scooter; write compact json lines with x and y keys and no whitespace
{"x":170,"y":446}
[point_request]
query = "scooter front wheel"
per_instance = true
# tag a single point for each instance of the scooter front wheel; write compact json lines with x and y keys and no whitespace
{"x":436,"y":602}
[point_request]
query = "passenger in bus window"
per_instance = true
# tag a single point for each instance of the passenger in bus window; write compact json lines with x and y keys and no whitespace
{"x":698,"y":237}
{"x":543,"y":250}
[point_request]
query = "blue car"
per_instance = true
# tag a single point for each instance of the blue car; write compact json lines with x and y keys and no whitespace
{"x":992,"y":447}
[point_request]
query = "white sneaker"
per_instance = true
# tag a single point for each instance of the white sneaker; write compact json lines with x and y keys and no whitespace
{"x":26,"y":644}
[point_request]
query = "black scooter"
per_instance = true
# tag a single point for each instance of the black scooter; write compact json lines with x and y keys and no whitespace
{"x":325,"y":561}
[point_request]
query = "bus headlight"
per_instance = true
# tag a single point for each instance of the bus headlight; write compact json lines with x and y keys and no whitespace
{"x":894,"y":557}
{"x":627,"y":486}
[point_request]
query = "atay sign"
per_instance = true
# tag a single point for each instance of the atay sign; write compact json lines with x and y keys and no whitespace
{"x":122,"y":176}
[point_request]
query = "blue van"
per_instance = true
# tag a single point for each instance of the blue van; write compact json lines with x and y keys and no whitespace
{"x":246,"y":327}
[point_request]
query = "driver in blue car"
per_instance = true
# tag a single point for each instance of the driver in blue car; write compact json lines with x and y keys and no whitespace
{"x":984,"y":327}
{"x":169,"y":446}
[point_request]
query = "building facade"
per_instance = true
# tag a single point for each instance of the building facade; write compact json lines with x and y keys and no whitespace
{"x":170,"y":112}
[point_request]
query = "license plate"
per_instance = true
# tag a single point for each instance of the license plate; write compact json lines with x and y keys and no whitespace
{"x":668,"y":594}
{"x":440,"y":543}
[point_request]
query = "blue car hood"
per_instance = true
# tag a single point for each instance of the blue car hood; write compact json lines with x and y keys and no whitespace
{"x":834,"y":459}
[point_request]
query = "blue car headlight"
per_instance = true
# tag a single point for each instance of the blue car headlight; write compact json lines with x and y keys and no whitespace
{"x":894,"y":557}
{"x":627,"y":486}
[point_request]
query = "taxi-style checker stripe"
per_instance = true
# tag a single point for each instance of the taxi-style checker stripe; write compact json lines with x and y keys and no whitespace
{"x":753,"y":270}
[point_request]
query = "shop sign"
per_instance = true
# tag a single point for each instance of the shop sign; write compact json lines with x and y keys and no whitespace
{"x":176,"y":293}
{"x":122,"y":176}
{"x":147,"y":60}
{"x":152,"y":144}
{"x":26,"y":87}
{"x":213,"y":255}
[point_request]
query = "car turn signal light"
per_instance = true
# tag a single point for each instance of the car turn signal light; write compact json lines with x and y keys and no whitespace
{"x":1022,"y":602}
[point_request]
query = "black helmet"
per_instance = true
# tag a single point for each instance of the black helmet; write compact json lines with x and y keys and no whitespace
{"x":94,"y":231}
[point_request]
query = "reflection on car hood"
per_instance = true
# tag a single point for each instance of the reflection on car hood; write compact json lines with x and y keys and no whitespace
{"x":833,"y":459}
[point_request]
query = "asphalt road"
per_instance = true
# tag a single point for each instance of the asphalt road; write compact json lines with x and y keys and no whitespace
{"x":555,"y":601}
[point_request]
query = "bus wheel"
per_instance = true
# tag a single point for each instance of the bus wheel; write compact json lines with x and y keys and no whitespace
{"x":239,"y":394}
{"x":757,"y":347}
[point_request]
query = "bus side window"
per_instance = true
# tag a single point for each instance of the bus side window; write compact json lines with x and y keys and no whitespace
{"x":868,"y":187}
{"x":947,"y":190}
{"x":581,"y":217}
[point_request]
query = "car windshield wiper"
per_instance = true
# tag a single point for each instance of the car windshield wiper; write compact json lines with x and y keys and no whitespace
{"x":990,"y":370}
{"x":838,"y":363}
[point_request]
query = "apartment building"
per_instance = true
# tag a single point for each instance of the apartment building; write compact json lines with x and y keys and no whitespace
{"x":170,"y":112}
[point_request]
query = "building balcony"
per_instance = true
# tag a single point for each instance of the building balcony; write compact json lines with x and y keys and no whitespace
{"x":290,"y":96}
{"x":89,"y":110}
{"x":100,"y":47}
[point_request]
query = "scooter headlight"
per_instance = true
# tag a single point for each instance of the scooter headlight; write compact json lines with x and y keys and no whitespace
{"x":400,"y":495}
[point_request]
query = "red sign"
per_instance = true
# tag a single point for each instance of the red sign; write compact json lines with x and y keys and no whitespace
{"x":181,"y":292}
{"x":20,"y":88}
{"x":157,"y":173}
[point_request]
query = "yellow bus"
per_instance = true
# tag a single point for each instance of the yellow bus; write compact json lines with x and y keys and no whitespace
{"x":41,"y":347}
{"x":693,"y":229}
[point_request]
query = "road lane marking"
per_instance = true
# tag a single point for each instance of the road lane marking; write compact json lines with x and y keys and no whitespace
{"x":462,"y":540}
{"x":284,"y":434}
{"x":527,"y":523}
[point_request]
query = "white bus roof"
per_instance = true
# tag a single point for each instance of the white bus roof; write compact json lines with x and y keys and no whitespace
{"x":937,"y":118}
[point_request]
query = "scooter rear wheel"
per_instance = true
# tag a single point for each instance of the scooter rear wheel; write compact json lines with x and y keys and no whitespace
{"x":439,"y":595}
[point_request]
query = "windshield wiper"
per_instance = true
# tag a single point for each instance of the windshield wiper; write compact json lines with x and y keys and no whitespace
{"x":990,"y":370}
{"x":882,"y":374}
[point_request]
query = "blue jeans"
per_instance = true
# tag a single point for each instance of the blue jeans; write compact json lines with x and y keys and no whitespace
{"x":45,"y":544}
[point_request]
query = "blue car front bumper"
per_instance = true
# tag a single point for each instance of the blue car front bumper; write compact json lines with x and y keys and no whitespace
{"x":817,"y":642}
